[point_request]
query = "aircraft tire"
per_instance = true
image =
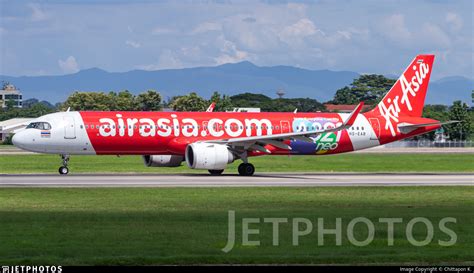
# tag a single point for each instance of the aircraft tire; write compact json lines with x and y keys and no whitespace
{"x":246,"y":169}
{"x":63,"y":170}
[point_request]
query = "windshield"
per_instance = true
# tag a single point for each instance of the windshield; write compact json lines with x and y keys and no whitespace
{"x":39,"y":125}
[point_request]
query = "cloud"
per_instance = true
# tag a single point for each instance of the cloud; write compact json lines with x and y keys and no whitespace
{"x":230,"y":53}
{"x":37,"y":13}
{"x":162,"y":30}
{"x":206,"y":27}
{"x":133,"y":44}
{"x":454,"y":21}
{"x":249,"y":20}
{"x":167,"y":60}
{"x":395,"y":29}
{"x":202,"y":33}
{"x":434,"y":35}
{"x":70,"y":65}
{"x":304,"y":27}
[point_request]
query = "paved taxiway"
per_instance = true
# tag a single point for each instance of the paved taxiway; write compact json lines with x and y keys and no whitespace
{"x":260,"y":180}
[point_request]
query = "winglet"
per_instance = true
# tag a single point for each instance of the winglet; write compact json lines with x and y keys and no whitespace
{"x":352,"y":117}
{"x":211,"y":107}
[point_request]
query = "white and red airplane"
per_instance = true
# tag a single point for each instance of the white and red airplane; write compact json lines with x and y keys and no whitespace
{"x":212,"y":140}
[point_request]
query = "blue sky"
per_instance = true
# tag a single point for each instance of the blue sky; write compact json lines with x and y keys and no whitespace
{"x":366,"y":36}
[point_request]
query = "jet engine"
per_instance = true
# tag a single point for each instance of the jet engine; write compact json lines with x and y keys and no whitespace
{"x":163,"y":160}
{"x":208,"y":156}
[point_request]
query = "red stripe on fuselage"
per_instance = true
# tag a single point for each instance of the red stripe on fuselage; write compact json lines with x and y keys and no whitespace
{"x":169,"y":132}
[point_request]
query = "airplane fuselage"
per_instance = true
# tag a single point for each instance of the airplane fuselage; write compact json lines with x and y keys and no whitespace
{"x":212,"y":140}
{"x":154,"y":133}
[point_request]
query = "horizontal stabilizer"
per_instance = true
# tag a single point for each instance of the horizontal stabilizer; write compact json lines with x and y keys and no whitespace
{"x":408,"y":127}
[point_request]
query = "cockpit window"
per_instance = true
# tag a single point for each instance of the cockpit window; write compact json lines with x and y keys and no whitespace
{"x":39,"y":125}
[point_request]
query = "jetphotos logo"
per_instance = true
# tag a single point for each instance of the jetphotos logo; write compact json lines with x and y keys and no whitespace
{"x":390,"y":111}
{"x":188,"y":127}
{"x":32,"y":269}
{"x":321,"y":231}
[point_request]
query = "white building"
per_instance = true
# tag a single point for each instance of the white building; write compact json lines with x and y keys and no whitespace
{"x":11,"y":126}
{"x":245,"y":109}
{"x":9,"y":92}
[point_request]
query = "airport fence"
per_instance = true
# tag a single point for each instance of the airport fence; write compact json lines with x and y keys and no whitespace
{"x":431,"y":144}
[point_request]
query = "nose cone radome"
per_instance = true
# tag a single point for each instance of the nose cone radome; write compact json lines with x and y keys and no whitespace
{"x":19,"y":140}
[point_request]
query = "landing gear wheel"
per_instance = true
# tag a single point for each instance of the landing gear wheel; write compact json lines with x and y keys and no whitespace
{"x":216,"y":172}
{"x":63,"y":170}
{"x":246,"y":169}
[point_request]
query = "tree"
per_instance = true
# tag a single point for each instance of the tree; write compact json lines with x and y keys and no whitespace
{"x":251,"y":100}
{"x":123,"y":101}
{"x":190,"y":102}
{"x":149,"y":101}
{"x":461,"y":130}
{"x":437,"y":112}
{"x":367,"y":88}
{"x":31,"y":110}
{"x":80,"y":101}
{"x":223,"y":103}
{"x":10,"y":104}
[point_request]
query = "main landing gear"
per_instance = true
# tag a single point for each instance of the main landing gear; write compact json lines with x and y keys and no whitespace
{"x":246,"y":169}
{"x":63,"y":170}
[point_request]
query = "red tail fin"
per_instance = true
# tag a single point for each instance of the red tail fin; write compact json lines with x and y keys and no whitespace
{"x":407,"y":95}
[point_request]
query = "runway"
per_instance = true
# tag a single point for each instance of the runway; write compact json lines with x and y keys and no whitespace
{"x":261,"y":180}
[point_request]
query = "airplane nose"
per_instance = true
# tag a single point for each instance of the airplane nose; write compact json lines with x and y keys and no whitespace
{"x":19,"y":140}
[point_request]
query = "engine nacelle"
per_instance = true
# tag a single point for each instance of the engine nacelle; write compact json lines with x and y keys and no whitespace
{"x":163,"y":160}
{"x":208,"y":156}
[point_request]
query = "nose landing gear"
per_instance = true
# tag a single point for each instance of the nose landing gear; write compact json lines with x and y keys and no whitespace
{"x":63,"y":170}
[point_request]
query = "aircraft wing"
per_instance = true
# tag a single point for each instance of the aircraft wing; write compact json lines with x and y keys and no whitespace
{"x":258,"y":142}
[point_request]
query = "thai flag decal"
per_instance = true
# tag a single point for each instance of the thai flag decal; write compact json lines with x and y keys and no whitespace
{"x":45,"y":133}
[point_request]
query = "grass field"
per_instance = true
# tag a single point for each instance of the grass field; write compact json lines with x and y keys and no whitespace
{"x":334,"y":163}
{"x":163,"y":226}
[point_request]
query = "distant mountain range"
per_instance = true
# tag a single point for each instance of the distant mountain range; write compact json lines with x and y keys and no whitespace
{"x":227,"y":79}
